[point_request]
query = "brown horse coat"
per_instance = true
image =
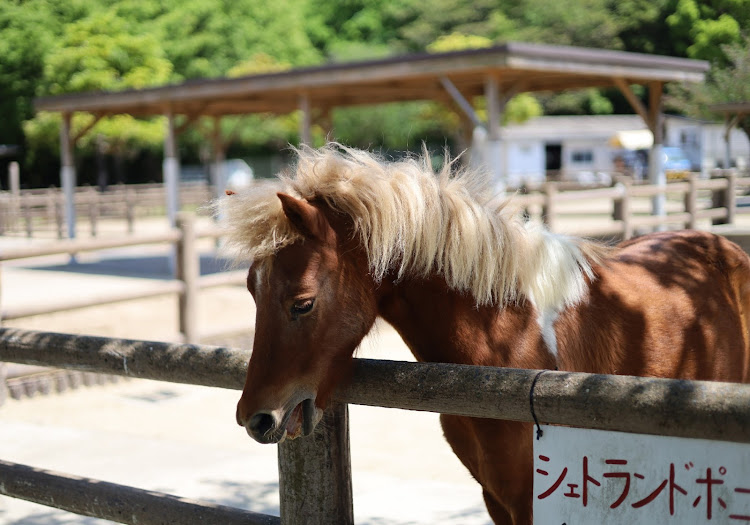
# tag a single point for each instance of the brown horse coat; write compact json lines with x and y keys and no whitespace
{"x":464,"y":280}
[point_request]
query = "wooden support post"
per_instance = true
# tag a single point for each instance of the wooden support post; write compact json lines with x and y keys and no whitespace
{"x":130,"y":209}
{"x":28,"y":217}
{"x":729,"y":123}
{"x":188,"y":271}
{"x":3,"y":367}
{"x":691,"y":201}
{"x":731,"y":196}
{"x":93,"y":198}
{"x":726,"y":198}
{"x":218,"y":147}
{"x":623,"y":210}
{"x":315,"y":482}
{"x":305,"y":135}
{"x":14,"y":181}
{"x":59,"y":219}
{"x":3,"y":383}
{"x":494,"y":154}
{"x":68,"y":173}
{"x":548,"y":209}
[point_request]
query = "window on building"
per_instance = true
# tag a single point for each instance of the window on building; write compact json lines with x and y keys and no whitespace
{"x":582,"y":156}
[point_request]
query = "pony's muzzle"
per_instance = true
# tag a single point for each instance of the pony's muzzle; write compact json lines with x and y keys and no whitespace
{"x":263,"y":427}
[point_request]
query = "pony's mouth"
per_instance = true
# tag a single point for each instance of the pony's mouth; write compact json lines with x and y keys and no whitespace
{"x":299,"y":416}
{"x":301,"y":420}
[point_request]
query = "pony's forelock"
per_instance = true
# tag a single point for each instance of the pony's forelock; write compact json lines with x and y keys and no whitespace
{"x":413,"y":222}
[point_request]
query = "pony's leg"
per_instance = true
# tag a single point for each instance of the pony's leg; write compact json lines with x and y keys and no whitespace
{"x":507,"y":467}
{"x":497,"y":511}
{"x":482,"y":462}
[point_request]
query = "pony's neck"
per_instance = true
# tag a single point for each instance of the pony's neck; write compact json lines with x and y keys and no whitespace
{"x":441,"y":325}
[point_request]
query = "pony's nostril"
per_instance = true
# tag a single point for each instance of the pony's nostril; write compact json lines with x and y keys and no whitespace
{"x":261,"y":423}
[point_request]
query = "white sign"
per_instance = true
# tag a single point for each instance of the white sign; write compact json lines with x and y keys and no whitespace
{"x":584,"y":476}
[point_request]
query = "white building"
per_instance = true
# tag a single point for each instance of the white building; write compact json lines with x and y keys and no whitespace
{"x":586,"y":148}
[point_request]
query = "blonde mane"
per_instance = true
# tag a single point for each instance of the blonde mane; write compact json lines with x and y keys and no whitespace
{"x":413,"y":222}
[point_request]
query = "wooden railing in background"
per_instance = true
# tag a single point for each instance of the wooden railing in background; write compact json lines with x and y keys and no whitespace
{"x":187,"y":281}
{"x":35,"y":211}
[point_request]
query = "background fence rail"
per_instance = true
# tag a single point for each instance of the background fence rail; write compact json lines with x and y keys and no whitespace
{"x":187,"y":282}
{"x":120,"y":503}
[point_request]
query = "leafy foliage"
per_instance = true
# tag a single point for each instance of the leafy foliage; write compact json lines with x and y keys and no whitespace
{"x":729,"y":82}
{"x":63,"y":46}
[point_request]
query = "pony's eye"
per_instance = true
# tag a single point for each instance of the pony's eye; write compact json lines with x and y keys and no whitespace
{"x":302,"y":307}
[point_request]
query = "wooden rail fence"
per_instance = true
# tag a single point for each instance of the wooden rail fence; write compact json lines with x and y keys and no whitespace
{"x":714,"y":199}
{"x":187,"y":282}
{"x":35,"y":211}
{"x":315,"y":472}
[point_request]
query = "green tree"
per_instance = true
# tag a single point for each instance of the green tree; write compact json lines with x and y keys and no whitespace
{"x":207,"y":38}
{"x":101,"y":52}
{"x":28,"y":29}
{"x":700,"y":28}
{"x":728,"y":82}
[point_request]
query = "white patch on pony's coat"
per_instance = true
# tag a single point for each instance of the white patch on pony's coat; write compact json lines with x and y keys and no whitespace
{"x":546,"y":322}
{"x":555,"y":274}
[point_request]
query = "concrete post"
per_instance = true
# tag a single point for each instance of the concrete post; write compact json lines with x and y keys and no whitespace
{"x":14,"y":179}
{"x":217,"y":167}
{"x":171,"y":174}
{"x":188,"y":271}
{"x":305,"y":135}
{"x":171,"y":171}
{"x":68,"y":174}
{"x":494,"y":152}
{"x":656,"y":173}
{"x":728,"y":125}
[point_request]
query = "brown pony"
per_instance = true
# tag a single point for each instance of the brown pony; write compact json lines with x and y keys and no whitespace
{"x":464,"y":280}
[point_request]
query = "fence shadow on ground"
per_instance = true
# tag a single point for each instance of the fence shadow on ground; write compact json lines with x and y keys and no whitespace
{"x":258,"y":497}
{"x":150,"y":267}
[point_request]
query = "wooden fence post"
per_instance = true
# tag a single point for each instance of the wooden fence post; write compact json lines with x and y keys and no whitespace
{"x":691,"y":201}
{"x":726,"y":198}
{"x":548,"y":208}
{"x":731,"y":196}
{"x":621,"y":209}
{"x":130,"y":209}
{"x":315,"y":473}
{"x":188,"y":271}
{"x":93,"y":198}
{"x":60,"y":215}
{"x":3,"y":368}
{"x":27,"y":215}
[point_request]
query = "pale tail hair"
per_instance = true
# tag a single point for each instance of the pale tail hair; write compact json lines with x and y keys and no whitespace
{"x":413,"y":222}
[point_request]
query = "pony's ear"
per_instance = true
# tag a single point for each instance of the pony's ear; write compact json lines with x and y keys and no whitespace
{"x":308,"y":219}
